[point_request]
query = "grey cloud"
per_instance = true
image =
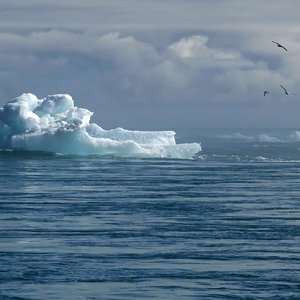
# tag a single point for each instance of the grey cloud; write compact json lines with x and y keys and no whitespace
{"x":127,"y":68}
{"x":147,"y":15}
{"x":144,"y":62}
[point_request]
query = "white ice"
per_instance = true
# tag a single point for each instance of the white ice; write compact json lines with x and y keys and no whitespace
{"x":55,"y":124}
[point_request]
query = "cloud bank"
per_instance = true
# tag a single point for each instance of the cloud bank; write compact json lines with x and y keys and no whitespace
{"x":141,"y":64}
{"x":121,"y":68}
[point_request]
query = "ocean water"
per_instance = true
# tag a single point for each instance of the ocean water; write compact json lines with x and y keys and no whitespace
{"x":223,"y":226}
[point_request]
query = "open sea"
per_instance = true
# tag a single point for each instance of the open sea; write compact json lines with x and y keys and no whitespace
{"x":223,"y":226}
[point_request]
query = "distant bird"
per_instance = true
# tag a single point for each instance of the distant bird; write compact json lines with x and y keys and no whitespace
{"x":266,"y":92}
{"x":279,"y":45}
{"x":285,"y":91}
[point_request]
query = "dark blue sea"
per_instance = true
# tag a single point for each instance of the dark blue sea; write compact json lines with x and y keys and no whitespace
{"x":225,"y":225}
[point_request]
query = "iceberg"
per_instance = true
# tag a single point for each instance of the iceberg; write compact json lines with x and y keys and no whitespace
{"x":54,"y":124}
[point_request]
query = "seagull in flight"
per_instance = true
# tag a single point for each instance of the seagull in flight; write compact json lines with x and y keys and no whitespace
{"x":279,"y":45}
{"x":285,"y":91}
{"x":266,"y":92}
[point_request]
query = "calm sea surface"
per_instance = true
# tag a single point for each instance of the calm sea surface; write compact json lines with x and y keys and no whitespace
{"x":223,"y":226}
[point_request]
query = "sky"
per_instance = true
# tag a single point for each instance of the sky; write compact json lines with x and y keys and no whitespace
{"x":157,"y":64}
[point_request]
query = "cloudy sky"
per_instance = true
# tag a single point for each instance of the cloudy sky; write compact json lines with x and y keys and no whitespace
{"x":157,"y":64}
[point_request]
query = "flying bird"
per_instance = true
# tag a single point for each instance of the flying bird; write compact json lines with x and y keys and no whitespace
{"x":279,"y":45}
{"x":285,"y":91}
{"x":266,"y":92}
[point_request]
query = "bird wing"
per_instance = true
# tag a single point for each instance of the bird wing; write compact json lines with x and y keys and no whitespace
{"x":279,"y":45}
{"x":283,"y":88}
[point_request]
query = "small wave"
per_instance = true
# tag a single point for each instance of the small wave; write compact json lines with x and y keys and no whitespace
{"x":236,"y":135}
{"x":258,"y":138}
{"x":261,"y":158}
{"x":293,"y":136}
{"x":265,"y":138}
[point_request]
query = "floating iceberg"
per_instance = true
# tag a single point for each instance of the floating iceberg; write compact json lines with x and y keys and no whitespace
{"x":54,"y":124}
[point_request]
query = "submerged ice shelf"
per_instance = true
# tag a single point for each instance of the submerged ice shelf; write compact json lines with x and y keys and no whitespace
{"x":55,"y":124}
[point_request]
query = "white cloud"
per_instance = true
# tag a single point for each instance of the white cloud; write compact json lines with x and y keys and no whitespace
{"x":195,"y":52}
{"x":194,"y":46}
